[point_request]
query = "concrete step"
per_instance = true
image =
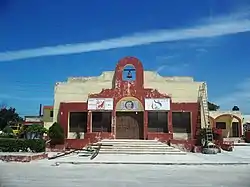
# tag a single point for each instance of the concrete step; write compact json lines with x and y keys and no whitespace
{"x":129,"y":143}
{"x":144,"y":142}
{"x":141,"y":153}
{"x":143,"y":150}
{"x":149,"y":142}
{"x":134,"y":146}
{"x":127,"y":140}
{"x":126,"y":146}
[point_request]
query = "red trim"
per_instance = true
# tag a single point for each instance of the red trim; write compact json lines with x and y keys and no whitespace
{"x":48,"y":107}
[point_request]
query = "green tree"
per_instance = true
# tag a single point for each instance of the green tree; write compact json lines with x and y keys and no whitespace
{"x":212,"y":106}
{"x":56,"y":134}
{"x":7,"y":116}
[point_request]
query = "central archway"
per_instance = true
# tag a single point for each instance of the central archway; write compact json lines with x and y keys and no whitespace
{"x":129,"y":119}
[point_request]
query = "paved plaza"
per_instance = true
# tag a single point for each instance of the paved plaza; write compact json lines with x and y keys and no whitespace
{"x":40,"y":175}
{"x":47,"y":173}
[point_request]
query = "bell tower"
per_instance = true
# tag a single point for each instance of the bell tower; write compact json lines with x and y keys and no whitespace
{"x":129,"y":70}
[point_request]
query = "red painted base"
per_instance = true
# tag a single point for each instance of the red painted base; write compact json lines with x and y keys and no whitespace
{"x":187,"y":145}
{"x":225,"y":145}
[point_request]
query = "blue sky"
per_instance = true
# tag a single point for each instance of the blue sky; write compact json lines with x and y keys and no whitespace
{"x":44,"y":41}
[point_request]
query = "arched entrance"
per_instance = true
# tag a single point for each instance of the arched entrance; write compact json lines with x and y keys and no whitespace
{"x":229,"y":124}
{"x":129,"y":119}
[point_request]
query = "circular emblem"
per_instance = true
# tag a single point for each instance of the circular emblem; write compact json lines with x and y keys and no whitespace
{"x":129,"y":105}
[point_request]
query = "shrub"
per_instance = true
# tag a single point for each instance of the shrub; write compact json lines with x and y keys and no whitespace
{"x":15,"y":145}
{"x":5,"y":135}
{"x":56,"y":134}
{"x":8,"y":130}
{"x":35,"y":128}
{"x":35,"y":131}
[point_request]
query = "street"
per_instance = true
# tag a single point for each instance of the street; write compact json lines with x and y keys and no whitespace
{"x":43,"y":174}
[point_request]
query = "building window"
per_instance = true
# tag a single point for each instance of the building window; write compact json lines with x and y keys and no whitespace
{"x":51,"y":114}
{"x":129,"y":73}
{"x":78,"y":121}
{"x":221,"y":125}
{"x":158,"y":122}
{"x":181,"y":122}
{"x":101,"y":121}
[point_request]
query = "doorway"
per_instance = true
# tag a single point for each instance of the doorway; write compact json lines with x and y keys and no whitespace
{"x":235,"y":129}
{"x":129,"y":125}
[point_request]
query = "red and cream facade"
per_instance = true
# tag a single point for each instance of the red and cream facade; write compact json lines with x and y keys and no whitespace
{"x":130,"y":101}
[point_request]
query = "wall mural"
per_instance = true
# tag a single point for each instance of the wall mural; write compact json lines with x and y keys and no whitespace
{"x":129,"y":104}
{"x":100,"y":104}
{"x":157,"y":104}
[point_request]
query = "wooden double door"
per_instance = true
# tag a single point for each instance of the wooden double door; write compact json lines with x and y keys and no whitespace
{"x":129,"y":125}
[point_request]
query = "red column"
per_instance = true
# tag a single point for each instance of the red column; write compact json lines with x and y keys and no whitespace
{"x":170,"y":125}
{"x":63,"y":115}
{"x":240,"y":128}
{"x":89,"y":122}
{"x":113,"y":124}
{"x":145,"y":127}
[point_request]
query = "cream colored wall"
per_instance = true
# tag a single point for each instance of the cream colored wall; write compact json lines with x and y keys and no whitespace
{"x":181,"y":89}
{"x":226,"y":133}
{"x":77,"y":89}
{"x":47,"y":125}
{"x":215,"y":114}
{"x":181,"y":136}
{"x":227,"y":119}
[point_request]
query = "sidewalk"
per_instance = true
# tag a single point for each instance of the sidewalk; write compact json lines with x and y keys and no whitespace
{"x":240,"y":156}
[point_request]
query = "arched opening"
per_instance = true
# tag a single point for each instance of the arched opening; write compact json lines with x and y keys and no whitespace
{"x":211,"y":122}
{"x":229,"y":124}
{"x":129,"y":73}
{"x":129,"y":119}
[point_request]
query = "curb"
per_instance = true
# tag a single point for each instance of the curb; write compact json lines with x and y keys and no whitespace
{"x":151,"y":163}
{"x":242,"y":145}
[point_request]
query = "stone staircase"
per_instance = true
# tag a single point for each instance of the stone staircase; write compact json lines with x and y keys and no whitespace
{"x":136,"y":147}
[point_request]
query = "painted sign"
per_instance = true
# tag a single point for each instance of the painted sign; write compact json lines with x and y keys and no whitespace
{"x":100,"y":104}
{"x":157,"y":104}
{"x":129,"y":104}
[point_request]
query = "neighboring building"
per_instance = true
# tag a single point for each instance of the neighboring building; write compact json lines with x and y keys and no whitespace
{"x":130,"y":103}
{"x":29,"y":120}
{"x":246,"y":122}
{"x":230,"y":122}
{"x":47,"y":116}
{"x":246,"y":119}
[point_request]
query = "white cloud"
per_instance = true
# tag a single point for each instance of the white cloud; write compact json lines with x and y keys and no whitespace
{"x":202,"y":50}
{"x":239,"y":96}
{"x":166,"y":57}
{"x":232,"y":24}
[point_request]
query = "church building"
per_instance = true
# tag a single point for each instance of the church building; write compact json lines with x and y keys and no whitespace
{"x":130,"y":103}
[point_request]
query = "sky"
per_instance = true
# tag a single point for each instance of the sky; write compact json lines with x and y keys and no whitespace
{"x":43,"y":42}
